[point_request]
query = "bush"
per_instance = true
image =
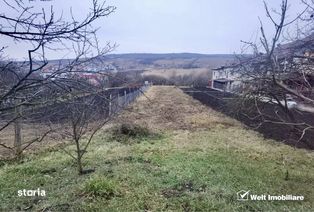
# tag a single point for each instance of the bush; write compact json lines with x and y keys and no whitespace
{"x":130,"y":133}
{"x":133,"y":130}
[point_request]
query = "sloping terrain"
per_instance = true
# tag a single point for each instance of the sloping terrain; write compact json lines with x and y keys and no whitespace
{"x":166,"y":61}
{"x":167,"y":108}
{"x":165,"y":152}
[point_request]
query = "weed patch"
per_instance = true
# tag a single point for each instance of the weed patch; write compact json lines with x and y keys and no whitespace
{"x":132,"y":133}
{"x":101,"y":187}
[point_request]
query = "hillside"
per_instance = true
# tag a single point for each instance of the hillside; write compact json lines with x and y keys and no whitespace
{"x":165,"y":61}
{"x":127,"y":62}
{"x":165,"y":152}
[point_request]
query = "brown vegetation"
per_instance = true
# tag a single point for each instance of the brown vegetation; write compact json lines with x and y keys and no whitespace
{"x":168,"y":108}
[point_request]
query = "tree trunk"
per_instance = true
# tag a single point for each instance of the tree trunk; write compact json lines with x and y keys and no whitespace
{"x":79,"y":157}
{"x":79,"y":165}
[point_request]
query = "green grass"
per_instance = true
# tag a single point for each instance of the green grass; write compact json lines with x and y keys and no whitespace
{"x":101,"y":187}
{"x":178,"y":171}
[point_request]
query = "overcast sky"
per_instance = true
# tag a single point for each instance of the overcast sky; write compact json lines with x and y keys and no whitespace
{"x":173,"y":26}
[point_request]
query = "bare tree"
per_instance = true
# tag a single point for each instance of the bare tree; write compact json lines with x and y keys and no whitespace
{"x":281,"y":74}
{"x":81,"y":118}
{"x":28,"y":86}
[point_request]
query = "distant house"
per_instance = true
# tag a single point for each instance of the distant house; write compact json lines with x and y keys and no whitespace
{"x":92,"y":78}
{"x":52,"y":72}
{"x":299,"y":52}
{"x":225,"y":79}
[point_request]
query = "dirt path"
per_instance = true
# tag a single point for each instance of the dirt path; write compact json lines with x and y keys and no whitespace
{"x":168,"y":108}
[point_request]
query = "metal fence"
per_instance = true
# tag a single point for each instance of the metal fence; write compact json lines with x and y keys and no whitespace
{"x":123,"y":97}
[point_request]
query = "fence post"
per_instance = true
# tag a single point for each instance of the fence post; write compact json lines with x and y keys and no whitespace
{"x":130,"y":93}
{"x":110,"y":105}
{"x":125,"y":97}
{"x":17,"y":132}
{"x":118,"y":108}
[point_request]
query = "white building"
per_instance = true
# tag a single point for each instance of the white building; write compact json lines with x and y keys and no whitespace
{"x":225,"y":79}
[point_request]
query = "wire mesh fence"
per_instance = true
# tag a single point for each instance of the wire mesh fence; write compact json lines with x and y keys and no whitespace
{"x":121,"y":98}
{"x":30,"y":127}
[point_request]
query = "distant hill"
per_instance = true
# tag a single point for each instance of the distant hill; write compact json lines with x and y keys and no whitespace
{"x":165,"y":61}
{"x":151,"y":61}
{"x":166,"y":56}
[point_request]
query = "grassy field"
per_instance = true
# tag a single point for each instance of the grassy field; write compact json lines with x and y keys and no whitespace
{"x":181,"y":156}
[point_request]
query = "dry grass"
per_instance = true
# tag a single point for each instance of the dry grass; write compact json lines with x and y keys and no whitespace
{"x":168,"y":108}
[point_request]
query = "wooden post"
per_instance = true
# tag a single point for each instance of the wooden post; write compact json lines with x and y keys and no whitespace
{"x":110,"y":104}
{"x":118,"y":101}
{"x":125,"y":97}
{"x":17,"y":132}
{"x":130,"y":95}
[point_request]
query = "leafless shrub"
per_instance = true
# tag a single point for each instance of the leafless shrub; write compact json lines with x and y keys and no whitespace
{"x":82,"y":118}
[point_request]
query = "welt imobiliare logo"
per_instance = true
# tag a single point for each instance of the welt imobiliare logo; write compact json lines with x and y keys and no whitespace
{"x":245,"y":195}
